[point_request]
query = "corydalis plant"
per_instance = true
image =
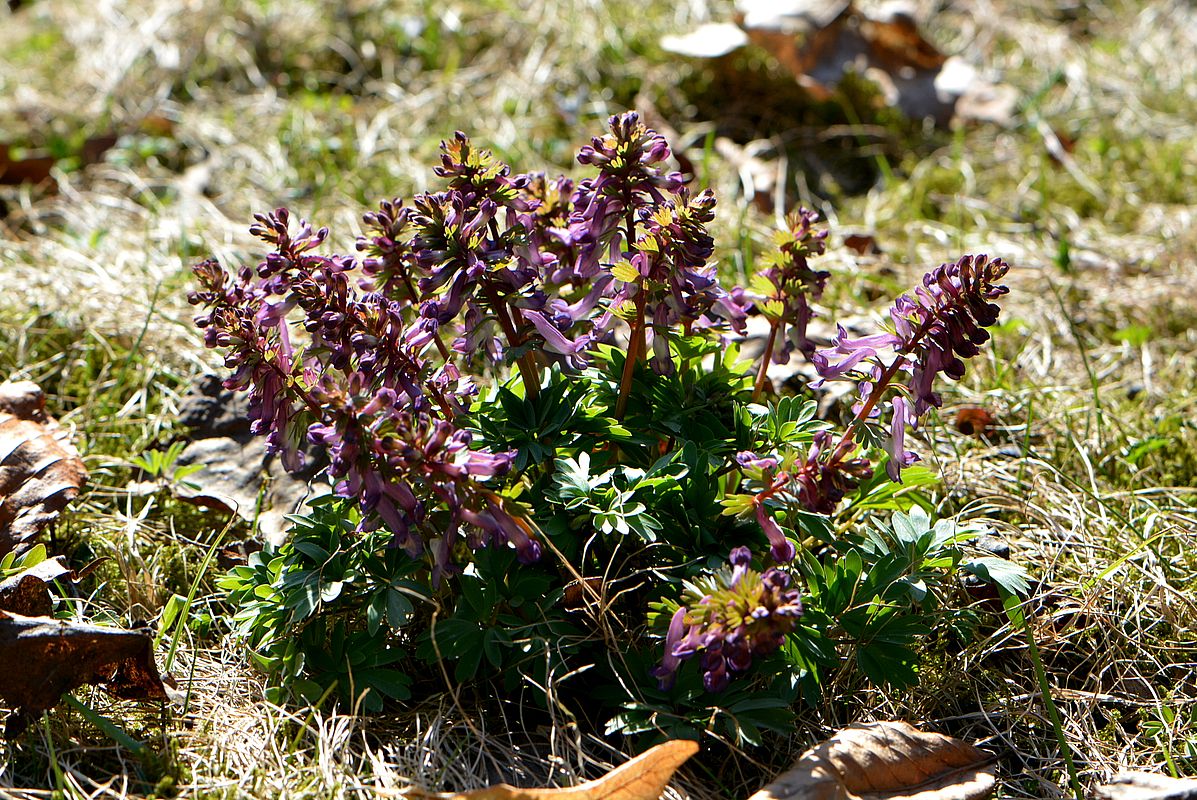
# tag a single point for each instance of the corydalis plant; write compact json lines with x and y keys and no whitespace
{"x":591,"y":313}
{"x":934,"y":330}
{"x":784,"y":289}
{"x":360,"y":386}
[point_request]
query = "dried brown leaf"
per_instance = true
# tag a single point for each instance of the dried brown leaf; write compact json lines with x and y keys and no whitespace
{"x":41,"y":658}
{"x":1147,"y":786}
{"x":16,"y":171}
{"x":28,"y":592}
{"x":974,"y":421}
{"x":821,"y":41}
{"x":896,"y":42}
{"x":863,"y":244}
{"x":643,"y":778}
{"x":40,"y":470}
{"x":886,"y":761}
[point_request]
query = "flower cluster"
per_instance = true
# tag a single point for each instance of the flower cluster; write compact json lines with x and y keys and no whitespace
{"x":934,"y":329}
{"x":816,"y":482}
{"x":352,"y":377}
{"x":742,"y":614}
{"x":786,"y":286}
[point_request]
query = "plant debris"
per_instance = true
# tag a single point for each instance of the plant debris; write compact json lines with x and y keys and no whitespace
{"x":40,"y":470}
{"x":28,"y":593}
{"x":643,"y":778}
{"x":822,"y":41}
{"x":42,"y":658}
{"x":886,"y":761}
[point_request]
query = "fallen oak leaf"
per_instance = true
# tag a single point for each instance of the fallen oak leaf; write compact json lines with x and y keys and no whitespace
{"x":40,"y":470}
{"x":42,"y":658}
{"x":821,"y":41}
{"x":886,"y":761}
{"x":1147,"y":786}
{"x":643,"y":778}
{"x":974,"y":421}
{"x":28,"y":592}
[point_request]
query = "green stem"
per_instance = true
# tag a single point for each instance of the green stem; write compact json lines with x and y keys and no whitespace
{"x":181,"y":621}
{"x":1017,"y":618}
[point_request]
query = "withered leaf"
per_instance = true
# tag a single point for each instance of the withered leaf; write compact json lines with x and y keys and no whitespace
{"x":41,"y":658}
{"x":37,"y":168}
{"x":886,"y":761}
{"x":863,"y":244}
{"x":974,"y":421}
{"x":231,"y":465}
{"x":27,"y":593}
{"x":822,"y":41}
{"x":643,"y":778}
{"x":1147,"y":786}
{"x":16,"y":171}
{"x":40,"y":470}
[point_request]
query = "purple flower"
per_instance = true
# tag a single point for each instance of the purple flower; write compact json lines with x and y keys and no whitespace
{"x":787,"y":285}
{"x":666,"y":671}
{"x":935,"y":328}
{"x":629,"y":179}
{"x":743,"y":614}
{"x":554,"y":341}
{"x":895,"y":445}
{"x":781,"y":548}
{"x":362,"y":387}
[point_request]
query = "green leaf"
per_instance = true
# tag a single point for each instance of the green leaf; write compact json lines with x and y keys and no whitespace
{"x":170,"y":615}
{"x":886,"y":663}
{"x":909,"y":528}
{"x":1000,"y":572}
{"x":399,"y":608}
{"x":1145,"y":447}
{"x":390,"y":682}
{"x":625,"y":272}
{"x":312,"y":551}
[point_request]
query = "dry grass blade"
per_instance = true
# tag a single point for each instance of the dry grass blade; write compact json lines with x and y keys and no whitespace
{"x":643,"y":778}
{"x":886,"y":761}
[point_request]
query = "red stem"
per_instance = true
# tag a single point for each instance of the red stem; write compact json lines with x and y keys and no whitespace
{"x":636,"y":346}
{"x":527,"y":368}
{"x":763,"y":372}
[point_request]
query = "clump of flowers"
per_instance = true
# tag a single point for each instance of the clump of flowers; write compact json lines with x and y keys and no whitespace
{"x":734,"y":616}
{"x":520,"y":368}
{"x":786,"y":287}
{"x":933,"y":332}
